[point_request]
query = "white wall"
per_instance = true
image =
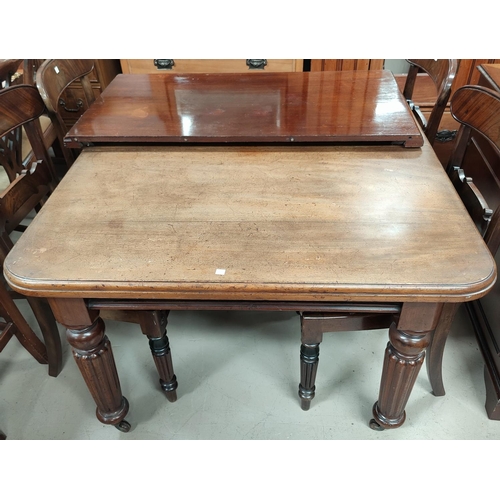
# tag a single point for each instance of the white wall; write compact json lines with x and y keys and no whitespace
{"x":397,"y":66}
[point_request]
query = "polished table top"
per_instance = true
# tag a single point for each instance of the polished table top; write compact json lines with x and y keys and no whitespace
{"x":331,"y":106}
{"x":239,"y":222}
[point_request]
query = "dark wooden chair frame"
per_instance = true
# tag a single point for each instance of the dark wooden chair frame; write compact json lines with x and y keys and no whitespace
{"x":21,"y":105}
{"x":475,"y":108}
{"x":11,"y":151}
{"x":53,"y":77}
{"x":442,"y":72}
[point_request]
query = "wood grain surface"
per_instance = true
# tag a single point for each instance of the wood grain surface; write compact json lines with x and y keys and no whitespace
{"x":284,"y":223}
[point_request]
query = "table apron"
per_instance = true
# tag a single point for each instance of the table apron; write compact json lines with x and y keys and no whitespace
{"x":179,"y":305}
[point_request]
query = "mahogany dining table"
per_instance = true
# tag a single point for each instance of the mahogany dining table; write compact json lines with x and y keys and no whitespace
{"x":186,"y":202}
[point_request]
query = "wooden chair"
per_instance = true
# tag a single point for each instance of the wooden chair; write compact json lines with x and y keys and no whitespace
{"x":52,"y":78}
{"x":15,"y":148}
{"x":442,"y":72}
{"x":339,"y":318}
{"x":21,"y":105}
{"x":61,"y":157}
{"x":476,"y":109}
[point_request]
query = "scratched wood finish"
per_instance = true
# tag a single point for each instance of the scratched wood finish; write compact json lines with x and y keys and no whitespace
{"x":329,"y":106}
{"x":322,"y":223}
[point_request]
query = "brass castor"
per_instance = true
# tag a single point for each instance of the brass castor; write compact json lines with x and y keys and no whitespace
{"x":171,"y":396}
{"x":123,"y":426}
{"x":375,"y":425}
{"x":170,"y":389}
{"x":305,"y":404}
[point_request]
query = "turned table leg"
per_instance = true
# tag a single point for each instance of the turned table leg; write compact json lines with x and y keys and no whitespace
{"x":403,"y":359}
{"x":154,"y":326}
{"x":309,"y":358}
{"x":94,"y":357}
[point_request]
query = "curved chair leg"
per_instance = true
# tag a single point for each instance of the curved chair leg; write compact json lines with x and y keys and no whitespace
{"x":492,"y":404}
{"x":485,"y":340}
{"x":22,"y":330}
{"x":50,"y":332}
{"x":2,"y":435}
{"x":31,"y":342}
{"x":434,"y":354}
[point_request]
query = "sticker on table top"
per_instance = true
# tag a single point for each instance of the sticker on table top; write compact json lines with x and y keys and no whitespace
{"x":221,"y":272}
{"x":56,"y":69}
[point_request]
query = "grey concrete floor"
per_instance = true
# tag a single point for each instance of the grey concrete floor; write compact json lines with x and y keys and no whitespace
{"x":238,"y":374}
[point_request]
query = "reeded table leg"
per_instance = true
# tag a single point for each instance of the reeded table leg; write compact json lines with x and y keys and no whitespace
{"x":404,"y":356}
{"x":311,"y":338}
{"x":154,"y":326}
{"x":94,"y":357}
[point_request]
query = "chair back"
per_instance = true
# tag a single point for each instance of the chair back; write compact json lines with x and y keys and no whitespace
{"x":21,"y":106}
{"x":476,"y":108}
{"x":27,"y":192}
{"x":30,"y":68}
{"x":21,"y":198}
{"x":442,"y":72}
{"x":55,"y":75}
{"x":53,"y":78}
